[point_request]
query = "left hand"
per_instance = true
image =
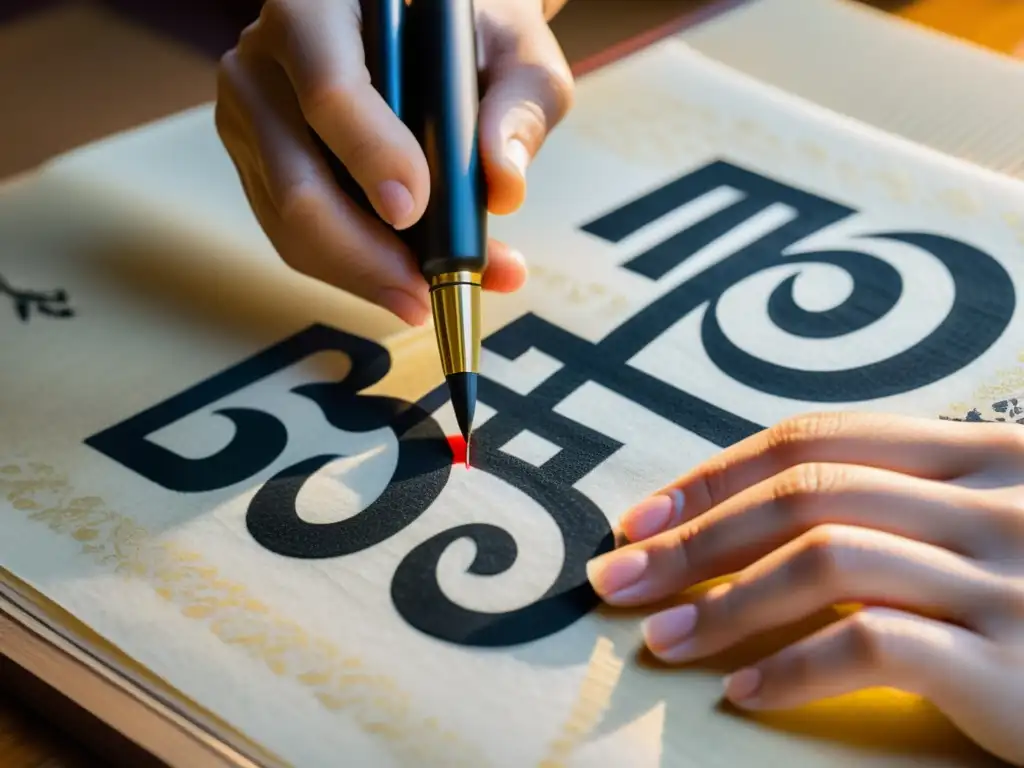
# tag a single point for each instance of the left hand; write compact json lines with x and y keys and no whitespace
{"x":921,"y":521}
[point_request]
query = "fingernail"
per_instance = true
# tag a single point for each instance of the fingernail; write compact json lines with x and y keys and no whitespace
{"x":664,"y":632}
{"x":496,"y":248}
{"x":397,"y":203}
{"x":615,"y":576}
{"x":652,"y":516}
{"x":517,"y":155}
{"x":403,"y":304}
{"x":741,"y":686}
{"x":517,"y":256}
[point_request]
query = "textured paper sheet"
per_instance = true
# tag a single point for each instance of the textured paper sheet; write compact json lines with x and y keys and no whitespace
{"x":886,"y":71}
{"x":203,"y":465}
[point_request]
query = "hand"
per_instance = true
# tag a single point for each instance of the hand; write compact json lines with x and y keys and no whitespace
{"x":302,"y":64}
{"x":920,"y":521}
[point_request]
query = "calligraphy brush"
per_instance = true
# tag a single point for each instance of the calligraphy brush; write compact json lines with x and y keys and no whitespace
{"x":421,"y":56}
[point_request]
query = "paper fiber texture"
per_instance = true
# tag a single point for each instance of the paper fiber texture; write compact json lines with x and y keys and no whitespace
{"x":241,"y":478}
{"x":879,"y":68}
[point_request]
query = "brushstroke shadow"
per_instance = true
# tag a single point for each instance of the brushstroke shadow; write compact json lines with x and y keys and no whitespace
{"x":230,"y":293}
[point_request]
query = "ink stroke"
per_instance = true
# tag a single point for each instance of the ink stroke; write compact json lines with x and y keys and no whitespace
{"x":48,"y":304}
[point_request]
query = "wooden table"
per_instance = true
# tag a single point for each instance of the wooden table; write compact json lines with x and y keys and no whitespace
{"x":28,"y":740}
{"x":996,"y":24}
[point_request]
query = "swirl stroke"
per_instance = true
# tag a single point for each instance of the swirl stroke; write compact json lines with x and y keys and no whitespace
{"x":983,"y":306}
{"x":984,"y":301}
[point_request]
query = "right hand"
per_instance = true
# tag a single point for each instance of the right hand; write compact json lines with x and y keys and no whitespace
{"x":301,"y":65}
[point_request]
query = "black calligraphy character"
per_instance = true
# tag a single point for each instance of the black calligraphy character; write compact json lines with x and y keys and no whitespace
{"x":584,"y":528}
{"x":46,"y":303}
{"x":260,"y":438}
{"x":423,"y":467}
{"x":982,"y":308}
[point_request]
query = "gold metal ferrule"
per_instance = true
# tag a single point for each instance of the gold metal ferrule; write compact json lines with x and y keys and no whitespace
{"x":455,"y":301}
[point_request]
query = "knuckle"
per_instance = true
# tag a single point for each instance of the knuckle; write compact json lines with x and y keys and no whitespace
{"x":321,"y":98}
{"x":275,"y":21}
{"x":227,"y":64}
{"x":1010,"y":593}
{"x":724,"y":606}
{"x":1008,"y":439}
{"x":1009,"y":523}
{"x":1001,"y":521}
{"x":299,"y":207}
{"x":365,"y":151}
{"x":300,"y":211}
{"x":819,"y":560}
{"x":674,"y":550}
{"x":797,"y":489}
{"x":249,"y":37}
{"x":714,"y":483}
{"x":331,"y":98}
{"x":1010,"y":510}
{"x":797,"y":666}
{"x":226,"y":74}
{"x":559,"y":83}
{"x":864,"y":638}
{"x":789,"y":438}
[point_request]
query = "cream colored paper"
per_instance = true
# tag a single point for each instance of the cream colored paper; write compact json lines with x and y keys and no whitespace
{"x":171,"y":282}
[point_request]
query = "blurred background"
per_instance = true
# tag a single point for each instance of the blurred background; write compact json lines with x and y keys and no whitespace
{"x":72,"y":71}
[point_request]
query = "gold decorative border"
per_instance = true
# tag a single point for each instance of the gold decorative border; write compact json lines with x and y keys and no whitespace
{"x":564,"y":288}
{"x":592,"y":702}
{"x":1005,"y":383}
{"x":339,"y":681}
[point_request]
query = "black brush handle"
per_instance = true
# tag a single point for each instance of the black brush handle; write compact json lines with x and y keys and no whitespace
{"x":443,"y":103}
{"x":422,"y":58}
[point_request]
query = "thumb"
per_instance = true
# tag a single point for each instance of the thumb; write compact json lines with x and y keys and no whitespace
{"x":530,"y":90}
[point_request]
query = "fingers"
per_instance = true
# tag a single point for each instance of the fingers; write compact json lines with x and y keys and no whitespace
{"x":529,"y":90}
{"x":313,"y":226}
{"x":926,"y":448}
{"x":506,"y":269}
{"x":319,"y":46}
{"x":875,"y":647}
{"x":824,"y":567}
{"x":760,"y":519}
{"x":974,"y":682}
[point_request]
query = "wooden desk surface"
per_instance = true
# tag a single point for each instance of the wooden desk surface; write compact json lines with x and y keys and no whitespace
{"x":28,"y":740}
{"x":995,"y":24}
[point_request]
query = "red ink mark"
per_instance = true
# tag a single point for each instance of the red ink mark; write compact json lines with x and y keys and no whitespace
{"x":458,"y":445}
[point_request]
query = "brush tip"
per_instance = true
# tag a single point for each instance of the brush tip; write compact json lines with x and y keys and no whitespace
{"x":462,"y":389}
